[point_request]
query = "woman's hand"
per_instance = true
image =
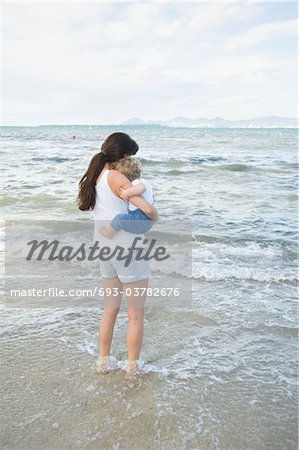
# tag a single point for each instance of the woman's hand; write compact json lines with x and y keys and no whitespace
{"x":125,"y":194}
{"x":145,"y":207}
{"x":154,"y":214}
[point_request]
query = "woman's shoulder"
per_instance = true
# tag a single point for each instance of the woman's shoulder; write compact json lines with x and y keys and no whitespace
{"x":116,"y":177}
{"x":114,"y":173}
{"x":116,"y":181}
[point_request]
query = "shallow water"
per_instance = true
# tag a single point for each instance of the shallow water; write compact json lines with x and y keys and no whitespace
{"x":220,"y":366}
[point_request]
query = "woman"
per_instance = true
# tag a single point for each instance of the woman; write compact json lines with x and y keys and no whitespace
{"x":100,"y":190}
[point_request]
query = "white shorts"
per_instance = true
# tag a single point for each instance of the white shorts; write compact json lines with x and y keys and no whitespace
{"x":135,"y":271}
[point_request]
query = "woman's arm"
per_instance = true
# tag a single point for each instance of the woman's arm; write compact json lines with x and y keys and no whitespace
{"x":118,"y":181}
{"x":136,"y":189}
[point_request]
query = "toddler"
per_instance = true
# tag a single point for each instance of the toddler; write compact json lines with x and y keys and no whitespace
{"x":134,"y":221}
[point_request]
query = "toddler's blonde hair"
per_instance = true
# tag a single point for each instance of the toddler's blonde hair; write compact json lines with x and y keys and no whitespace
{"x":128,"y":166}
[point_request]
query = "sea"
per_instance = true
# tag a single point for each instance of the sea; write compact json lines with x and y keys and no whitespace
{"x":220,"y":360}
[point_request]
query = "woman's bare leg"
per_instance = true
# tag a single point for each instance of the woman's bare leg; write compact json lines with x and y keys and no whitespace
{"x":135,"y":305}
{"x":106,"y":327}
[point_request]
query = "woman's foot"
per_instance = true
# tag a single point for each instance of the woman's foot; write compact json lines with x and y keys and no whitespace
{"x":132,"y":371}
{"x":103,"y":365}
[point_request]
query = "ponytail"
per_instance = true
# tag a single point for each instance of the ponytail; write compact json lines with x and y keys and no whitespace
{"x":87,"y":193}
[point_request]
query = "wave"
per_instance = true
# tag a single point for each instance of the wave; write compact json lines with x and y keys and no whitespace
{"x":210,"y":163}
{"x":216,"y":261}
{"x":276,"y":329}
{"x":293,"y":197}
{"x":57,"y":159}
{"x":208,"y":159}
{"x":224,"y":271}
{"x":9,"y":200}
{"x":220,"y":272}
{"x":184,"y":160}
{"x":155,"y":162}
{"x":208,"y":250}
{"x":235,"y":167}
{"x":239,"y":167}
{"x":179,"y":172}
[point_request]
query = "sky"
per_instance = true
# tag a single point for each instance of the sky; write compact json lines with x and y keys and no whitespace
{"x":103,"y":63}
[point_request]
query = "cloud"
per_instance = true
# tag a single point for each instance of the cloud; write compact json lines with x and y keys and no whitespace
{"x":264,"y":33}
{"x":246,"y":69}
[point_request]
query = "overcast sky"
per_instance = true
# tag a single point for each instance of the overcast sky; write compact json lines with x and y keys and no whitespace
{"x":100,"y":63}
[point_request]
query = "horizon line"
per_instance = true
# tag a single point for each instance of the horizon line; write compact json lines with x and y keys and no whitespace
{"x":153,"y":125}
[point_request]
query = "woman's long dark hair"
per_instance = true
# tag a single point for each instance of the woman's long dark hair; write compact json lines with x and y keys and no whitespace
{"x":115,"y":147}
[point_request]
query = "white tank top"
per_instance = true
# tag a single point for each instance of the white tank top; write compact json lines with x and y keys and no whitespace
{"x":107,"y":205}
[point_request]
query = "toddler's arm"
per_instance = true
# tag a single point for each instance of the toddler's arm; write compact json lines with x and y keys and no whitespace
{"x":136,"y":189}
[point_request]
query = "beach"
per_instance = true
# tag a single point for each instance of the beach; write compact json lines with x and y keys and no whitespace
{"x":220,"y":361}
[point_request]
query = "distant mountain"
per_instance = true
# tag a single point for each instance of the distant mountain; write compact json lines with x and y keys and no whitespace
{"x":219,"y":122}
{"x":134,"y":121}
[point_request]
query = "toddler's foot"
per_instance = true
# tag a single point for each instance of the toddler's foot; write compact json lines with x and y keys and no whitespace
{"x":103,"y":365}
{"x":133,"y":371}
{"x":107,"y":232}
